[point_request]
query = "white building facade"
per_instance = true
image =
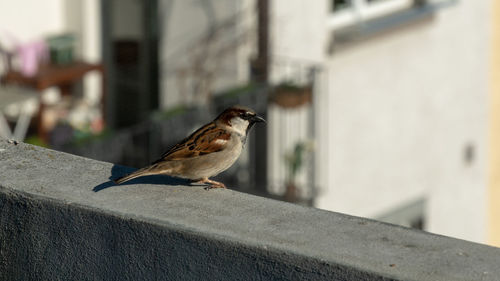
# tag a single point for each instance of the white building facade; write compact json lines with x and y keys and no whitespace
{"x":402,"y":122}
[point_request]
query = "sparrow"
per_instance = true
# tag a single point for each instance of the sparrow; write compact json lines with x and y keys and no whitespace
{"x":207,"y":152}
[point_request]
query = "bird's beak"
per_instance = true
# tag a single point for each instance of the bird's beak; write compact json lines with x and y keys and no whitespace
{"x":256,"y":119}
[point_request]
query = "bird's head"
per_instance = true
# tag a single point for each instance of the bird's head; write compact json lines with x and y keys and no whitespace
{"x":239,"y":118}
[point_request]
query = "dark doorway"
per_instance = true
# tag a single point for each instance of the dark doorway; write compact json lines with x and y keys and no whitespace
{"x":130,"y":53}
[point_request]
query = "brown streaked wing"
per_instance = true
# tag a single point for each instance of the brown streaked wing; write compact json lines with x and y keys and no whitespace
{"x":205,"y":140}
{"x":193,"y":136}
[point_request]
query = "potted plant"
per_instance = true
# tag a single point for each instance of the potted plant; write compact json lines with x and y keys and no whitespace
{"x":294,"y":161}
{"x":291,"y":95}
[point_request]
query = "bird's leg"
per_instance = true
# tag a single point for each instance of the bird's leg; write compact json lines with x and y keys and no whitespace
{"x":211,"y":183}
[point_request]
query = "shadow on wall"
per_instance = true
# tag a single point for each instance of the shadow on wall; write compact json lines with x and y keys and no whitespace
{"x":119,"y":171}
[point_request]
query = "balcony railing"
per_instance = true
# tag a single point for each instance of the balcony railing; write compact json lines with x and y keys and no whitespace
{"x":62,"y":219}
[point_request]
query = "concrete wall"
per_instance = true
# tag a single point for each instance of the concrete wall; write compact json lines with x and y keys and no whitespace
{"x":61,"y":219}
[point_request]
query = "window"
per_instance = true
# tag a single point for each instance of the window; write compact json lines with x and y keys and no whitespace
{"x":409,"y":215}
{"x":355,"y":20}
{"x":338,"y":5}
{"x":350,"y":12}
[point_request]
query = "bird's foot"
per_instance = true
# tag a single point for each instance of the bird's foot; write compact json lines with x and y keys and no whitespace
{"x":208,"y":187}
{"x":211,"y":184}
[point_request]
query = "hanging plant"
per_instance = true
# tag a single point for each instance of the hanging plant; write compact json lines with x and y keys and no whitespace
{"x":290,"y":95}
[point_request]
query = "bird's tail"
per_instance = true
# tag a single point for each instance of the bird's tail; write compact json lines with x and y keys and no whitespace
{"x":139,"y":173}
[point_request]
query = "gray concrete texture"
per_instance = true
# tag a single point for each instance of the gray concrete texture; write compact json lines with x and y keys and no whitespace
{"x":62,"y":219}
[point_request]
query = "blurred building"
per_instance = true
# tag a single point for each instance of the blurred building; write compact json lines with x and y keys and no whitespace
{"x":399,"y":121}
{"x":401,"y":110}
{"x":403,"y":126}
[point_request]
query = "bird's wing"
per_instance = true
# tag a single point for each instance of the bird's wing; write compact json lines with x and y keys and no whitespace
{"x":207,"y":139}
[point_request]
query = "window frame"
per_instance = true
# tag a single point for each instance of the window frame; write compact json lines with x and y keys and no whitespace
{"x":346,"y":27}
{"x":363,"y":10}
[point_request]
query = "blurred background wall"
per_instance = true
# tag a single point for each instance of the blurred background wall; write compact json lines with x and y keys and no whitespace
{"x":413,"y":109}
{"x":407,"y":113}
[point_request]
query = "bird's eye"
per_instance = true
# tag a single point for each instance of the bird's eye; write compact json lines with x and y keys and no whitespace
{"x":246,"y":115}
